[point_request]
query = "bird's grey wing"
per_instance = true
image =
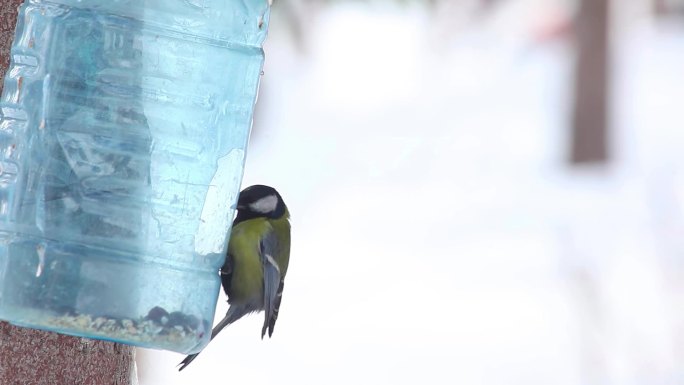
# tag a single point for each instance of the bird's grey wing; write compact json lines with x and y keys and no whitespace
{"x":272,"y":282}
{"x":274,"y":316}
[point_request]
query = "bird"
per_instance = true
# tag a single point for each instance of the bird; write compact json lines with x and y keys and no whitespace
{"x":253,"y":274}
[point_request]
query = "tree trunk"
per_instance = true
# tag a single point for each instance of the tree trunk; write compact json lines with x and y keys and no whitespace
{"x":34,"y":357}
{"x":590,"y":116}
{"x":37,"y":357}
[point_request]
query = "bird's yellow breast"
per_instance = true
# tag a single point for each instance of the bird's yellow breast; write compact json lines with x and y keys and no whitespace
{"x":243,"y":248}
{"x":247,"y":282}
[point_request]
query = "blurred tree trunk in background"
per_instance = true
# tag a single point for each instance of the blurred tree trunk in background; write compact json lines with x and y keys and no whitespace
{"x":664,"y":8}
{"x":37,"y":357}
{"x":590,"y":115}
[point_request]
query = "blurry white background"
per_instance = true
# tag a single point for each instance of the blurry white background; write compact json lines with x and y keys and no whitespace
{"x":440,"y":234}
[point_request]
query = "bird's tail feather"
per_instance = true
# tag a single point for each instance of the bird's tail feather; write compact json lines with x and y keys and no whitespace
{"x":227,"y":320}
{"x":231,"y":316}
{"x":187,"y":361}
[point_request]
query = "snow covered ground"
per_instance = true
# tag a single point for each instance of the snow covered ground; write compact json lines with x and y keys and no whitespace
{"x":439,"y":236}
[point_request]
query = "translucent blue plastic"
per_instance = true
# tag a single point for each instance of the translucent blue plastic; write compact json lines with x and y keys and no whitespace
{"x":123,"y":127}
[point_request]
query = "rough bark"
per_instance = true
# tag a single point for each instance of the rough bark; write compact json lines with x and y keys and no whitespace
{"x":34,"y":357}
{"x":8,"y":18}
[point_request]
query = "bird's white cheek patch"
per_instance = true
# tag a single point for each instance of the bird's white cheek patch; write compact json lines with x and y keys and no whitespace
{"x":265,"y":205}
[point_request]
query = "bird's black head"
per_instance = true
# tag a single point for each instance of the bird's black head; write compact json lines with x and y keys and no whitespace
{"x":259,"y":201}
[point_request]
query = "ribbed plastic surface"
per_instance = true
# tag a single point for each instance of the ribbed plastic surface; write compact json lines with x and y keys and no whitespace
{"x":123,"y":127}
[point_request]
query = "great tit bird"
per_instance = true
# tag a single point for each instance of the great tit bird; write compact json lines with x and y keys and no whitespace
{"x":253,"y":275}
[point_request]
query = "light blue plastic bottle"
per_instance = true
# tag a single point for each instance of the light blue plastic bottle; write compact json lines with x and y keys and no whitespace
{"x":123,"y":128}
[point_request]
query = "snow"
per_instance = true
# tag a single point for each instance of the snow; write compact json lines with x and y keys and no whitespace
{"x":439,"y":236}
